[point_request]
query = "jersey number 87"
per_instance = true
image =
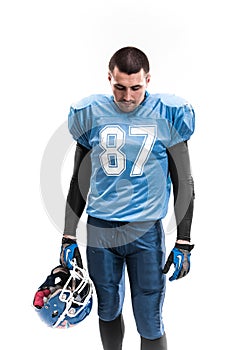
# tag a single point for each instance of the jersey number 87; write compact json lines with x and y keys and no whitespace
{"x":112,"y":139}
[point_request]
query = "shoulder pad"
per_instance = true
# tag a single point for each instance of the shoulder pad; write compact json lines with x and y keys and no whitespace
{"x":90,"y":101}
{"x":170,"y":100}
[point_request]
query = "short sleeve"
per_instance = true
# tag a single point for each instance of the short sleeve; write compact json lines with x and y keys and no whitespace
{"x":77,"y":127}
{"x":183,"y":124}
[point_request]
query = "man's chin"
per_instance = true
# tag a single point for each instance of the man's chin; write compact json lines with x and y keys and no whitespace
{"x":126,"y":107}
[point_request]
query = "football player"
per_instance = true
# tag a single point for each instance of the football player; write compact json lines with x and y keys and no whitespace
{"x":131,"y":147}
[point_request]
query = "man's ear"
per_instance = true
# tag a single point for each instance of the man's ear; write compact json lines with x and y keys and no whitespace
{"x":109,"y":76}
{"x":148,"y":77}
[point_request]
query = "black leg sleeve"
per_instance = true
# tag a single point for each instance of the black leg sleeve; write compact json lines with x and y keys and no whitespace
{"x":157,"y":344}
{"x":112,"y":333}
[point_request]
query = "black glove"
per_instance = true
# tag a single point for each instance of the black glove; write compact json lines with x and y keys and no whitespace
{"x":69,"y":252}
{"x":180,"y":257}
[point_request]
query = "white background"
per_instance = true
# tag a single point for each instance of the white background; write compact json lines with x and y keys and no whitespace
{"x":54,"y":53}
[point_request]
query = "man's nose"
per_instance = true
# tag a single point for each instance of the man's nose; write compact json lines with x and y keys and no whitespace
{"x":127,"y":95}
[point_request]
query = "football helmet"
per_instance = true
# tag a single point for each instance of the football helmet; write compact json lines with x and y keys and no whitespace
{"x":65,"y":298}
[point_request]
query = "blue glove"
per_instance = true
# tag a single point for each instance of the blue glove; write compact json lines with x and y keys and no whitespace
{"x":69,"y":252}
{"x":180,"y":257}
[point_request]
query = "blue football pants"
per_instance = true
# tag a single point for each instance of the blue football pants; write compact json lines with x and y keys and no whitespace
{"x":114,"y":246}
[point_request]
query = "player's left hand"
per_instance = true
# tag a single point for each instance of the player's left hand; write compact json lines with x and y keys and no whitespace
{"x":180,"y":257}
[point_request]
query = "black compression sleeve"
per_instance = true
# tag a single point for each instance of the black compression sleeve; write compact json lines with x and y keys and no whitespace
{"x":79,"y":186}
{"x":183,"y":188}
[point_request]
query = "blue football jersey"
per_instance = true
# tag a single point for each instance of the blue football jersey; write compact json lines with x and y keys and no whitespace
{"x":130,"y":178}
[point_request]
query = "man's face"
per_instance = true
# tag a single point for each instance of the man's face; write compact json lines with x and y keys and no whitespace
{"x":128,"y":90}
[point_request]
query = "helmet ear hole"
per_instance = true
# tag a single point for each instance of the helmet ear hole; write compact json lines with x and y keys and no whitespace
{"x":55,"y":313}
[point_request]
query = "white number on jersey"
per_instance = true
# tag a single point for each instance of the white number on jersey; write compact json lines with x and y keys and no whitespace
{"x":112,"y":139}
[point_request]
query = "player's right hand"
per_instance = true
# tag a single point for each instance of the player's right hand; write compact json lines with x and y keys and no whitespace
{"x":69,"y":252}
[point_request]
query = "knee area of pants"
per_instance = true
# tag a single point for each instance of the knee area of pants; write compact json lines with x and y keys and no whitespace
{"x":108,"y":318}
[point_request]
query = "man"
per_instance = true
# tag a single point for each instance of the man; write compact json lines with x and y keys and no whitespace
{"x":130,"y":147}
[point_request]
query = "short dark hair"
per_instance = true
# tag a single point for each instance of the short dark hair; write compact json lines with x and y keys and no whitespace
{"x":129,"y":60}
